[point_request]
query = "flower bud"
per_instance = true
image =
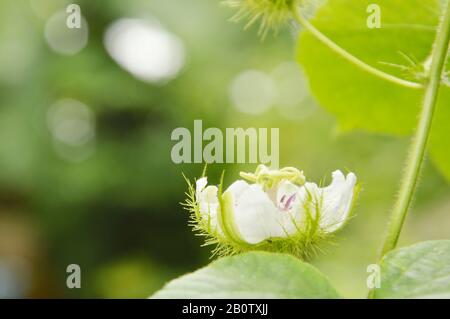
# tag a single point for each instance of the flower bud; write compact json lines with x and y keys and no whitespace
{"x":271,"y":13}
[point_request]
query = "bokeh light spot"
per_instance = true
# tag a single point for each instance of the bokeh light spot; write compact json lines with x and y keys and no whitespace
{"x":72,"y":125}
{"x":145,"y":49}
{"x":252,"y":92}
{"x":293,"y":98}
{"x":61,"y":38}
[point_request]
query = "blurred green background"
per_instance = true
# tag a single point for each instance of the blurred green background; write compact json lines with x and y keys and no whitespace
{"x":86,"y":116}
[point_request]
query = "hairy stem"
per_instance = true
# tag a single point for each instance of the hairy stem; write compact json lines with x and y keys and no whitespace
{"x":418,"y":146}
{"x":349,"y":57}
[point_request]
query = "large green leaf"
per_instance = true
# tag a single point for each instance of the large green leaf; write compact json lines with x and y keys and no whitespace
{"x":359,"y":99}
{"x":418,"y":271}
{"x":252,"y":275}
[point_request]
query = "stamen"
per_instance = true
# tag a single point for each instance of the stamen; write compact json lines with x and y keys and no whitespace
{"x":287,"y":205}
{"x":289,"y":201}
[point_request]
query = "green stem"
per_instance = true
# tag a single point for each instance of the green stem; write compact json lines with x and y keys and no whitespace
{"x":418,"y":146}
{"x":349,"y":57}
{"x":409,"y":182}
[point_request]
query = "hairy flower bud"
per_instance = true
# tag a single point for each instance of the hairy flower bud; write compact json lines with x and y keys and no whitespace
{"x":271,"y":13}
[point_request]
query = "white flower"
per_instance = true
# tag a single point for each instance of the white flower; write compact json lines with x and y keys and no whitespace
{"x":278,"y":205}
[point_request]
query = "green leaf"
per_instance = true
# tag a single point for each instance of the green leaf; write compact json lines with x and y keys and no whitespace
{"x":252,"y":275}
{"x":359,"y":99}
{"x":418,"y":271}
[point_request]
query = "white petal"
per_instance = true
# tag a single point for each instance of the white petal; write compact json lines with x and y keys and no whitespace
{"x":209,"y":195}
{"x":257,"y":218}
{"x":335,"y":201}
{"x":208,"y":202}
{"x":200,"y":184}
{"x":237,"y":188}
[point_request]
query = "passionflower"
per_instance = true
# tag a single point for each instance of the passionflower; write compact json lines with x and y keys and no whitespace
{"x":271,"y":13}
{"x":274,"y":210}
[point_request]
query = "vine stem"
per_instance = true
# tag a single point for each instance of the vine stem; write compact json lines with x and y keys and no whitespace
{"x":350,"y":57}
{"x":419,"y":144}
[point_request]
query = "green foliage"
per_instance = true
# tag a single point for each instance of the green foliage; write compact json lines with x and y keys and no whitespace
{"x":252,"y":275}
{"x":400,"y":47}
{"x":418,"y":271}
